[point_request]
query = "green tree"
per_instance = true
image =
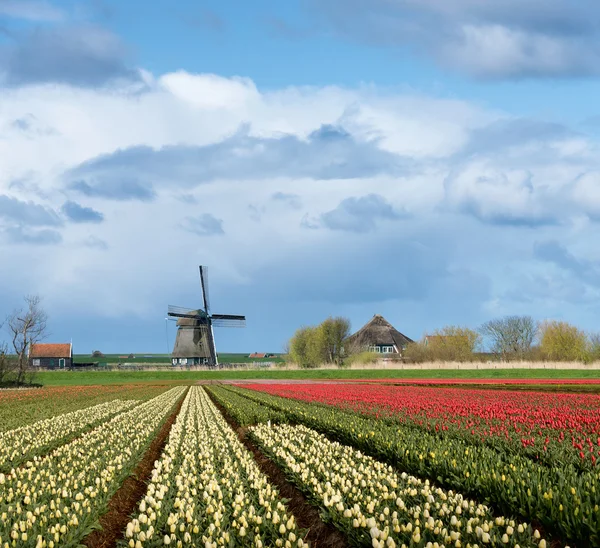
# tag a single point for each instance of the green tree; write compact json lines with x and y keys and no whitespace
{"x":299,"y":346}
{"x":312,"y":346}
{"x":453,"y":343}
{"x":334,"y":332}
{"x":562,"y":341}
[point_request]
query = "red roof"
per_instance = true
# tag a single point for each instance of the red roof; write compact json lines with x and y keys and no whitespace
{"x":50,"y":350}
{"x":258,"y":355}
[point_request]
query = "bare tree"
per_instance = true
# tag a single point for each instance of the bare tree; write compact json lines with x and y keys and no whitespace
{"x":6,"y":364}
{"x":511,"y":336}
{"x":27,"y":326}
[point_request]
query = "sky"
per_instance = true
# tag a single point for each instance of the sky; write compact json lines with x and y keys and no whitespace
{"x":434,"y":162}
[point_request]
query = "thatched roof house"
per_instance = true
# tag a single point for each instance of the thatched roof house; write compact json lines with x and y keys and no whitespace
{"x":378,"y":335}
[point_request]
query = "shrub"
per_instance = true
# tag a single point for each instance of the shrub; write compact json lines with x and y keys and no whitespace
{"x":362,"y":358}
{"x":561,"y":341}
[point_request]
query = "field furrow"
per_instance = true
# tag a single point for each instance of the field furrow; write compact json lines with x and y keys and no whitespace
{"x":374,"y":505}
{"x":565,"y":501}
{"x":207,"y":490}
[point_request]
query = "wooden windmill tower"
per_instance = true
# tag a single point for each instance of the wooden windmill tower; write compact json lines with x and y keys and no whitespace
{"x":195,"y":341}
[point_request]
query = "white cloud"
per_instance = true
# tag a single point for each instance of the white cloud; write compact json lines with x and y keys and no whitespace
{"x":455,"y":171}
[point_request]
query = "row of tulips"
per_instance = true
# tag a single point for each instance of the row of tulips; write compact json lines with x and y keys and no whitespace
{"x":243,"y":411}
{"x":376,"y":506}
{"x":21,"y":444}
{"x":566,"y":503}
{"x":547,"y":427}
{"x":55,"y":500}
{"x":207,"y":490}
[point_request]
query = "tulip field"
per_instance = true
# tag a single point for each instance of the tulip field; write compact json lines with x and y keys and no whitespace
{"x":361,"y":464}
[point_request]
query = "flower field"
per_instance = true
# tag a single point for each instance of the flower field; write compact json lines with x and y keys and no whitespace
{"x":21,"y":407}
{"x":206,"y":490}
{"x":52,"y":501}
{"x":547,"y":427}
{"x":563,"y":499}
{"x":21,"y":444}
{"x":376,"y":505}
{"x":374,"y":464}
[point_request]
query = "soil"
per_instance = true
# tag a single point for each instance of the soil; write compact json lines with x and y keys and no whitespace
{"x":125,"y":500}
{"x":320,"y":534}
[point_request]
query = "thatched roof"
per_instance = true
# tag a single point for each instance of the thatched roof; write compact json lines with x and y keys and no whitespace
{"x":377,"y":332}
{"x":188,"y":322}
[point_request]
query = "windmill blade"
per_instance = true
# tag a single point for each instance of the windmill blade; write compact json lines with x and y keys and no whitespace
{"x":228,"y":320}
{"x":204,"y":283}
{"x":175,"y":312}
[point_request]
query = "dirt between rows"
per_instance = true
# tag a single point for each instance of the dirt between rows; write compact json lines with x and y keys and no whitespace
{"x":320,"y":534}
{"x":125,"y":500}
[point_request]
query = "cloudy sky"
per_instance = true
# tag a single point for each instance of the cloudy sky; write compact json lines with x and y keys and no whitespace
{"x":435,"y":162}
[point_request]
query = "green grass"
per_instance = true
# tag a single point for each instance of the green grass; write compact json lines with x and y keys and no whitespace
{"x":165,"y":358}
{"x":58,"y":378}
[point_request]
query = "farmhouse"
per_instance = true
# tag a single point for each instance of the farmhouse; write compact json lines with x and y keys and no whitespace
{"x":378,"y":335}
{"x":51,"y":355}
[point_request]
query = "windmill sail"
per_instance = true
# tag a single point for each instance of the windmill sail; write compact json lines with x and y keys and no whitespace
{"x":204,"y":283}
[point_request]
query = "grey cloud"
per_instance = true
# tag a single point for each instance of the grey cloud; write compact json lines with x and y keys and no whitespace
{"x":554,"y":252}
{"x":517,"y":219}
{"x":292,"y":200}
{"x":500,"y":197}
{"x":515,"y":133}
{"x":491,"y":39}
{"x":30,"y":125}
{"x":204,"y":225}
{"x":79,"y":214}
{"x":95,"y":243}
{"x":27,"y":213}
{"x":360,"y":214}
{"x":84,"y":56}
{"x":115,"y":188}
{"x":355,"y":271}
{"x":25,"y":235}
{"x":327,"y":153}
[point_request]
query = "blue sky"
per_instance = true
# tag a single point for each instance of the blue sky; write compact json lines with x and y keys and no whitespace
{"x":434,"y":162}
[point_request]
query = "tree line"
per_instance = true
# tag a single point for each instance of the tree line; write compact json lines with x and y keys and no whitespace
{"x":510,"y":338}
{"x":25,"y":326}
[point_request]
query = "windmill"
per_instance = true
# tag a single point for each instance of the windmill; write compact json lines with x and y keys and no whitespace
{"x":195,"y":341}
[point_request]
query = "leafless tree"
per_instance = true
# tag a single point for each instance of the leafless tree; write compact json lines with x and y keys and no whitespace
{"x":6,"y":364}
{"x":26,"y":326}
{"x":511,"y":336}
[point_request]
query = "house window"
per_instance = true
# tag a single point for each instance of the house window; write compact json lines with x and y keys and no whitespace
{"x":387,"y":349}
{"x":36,"y":362}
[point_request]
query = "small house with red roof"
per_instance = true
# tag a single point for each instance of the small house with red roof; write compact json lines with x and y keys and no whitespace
{"x":51,"y":355}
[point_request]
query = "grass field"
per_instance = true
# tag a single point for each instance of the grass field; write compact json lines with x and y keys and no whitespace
{"x":58,"y":378}
{"x":111,"y":359}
